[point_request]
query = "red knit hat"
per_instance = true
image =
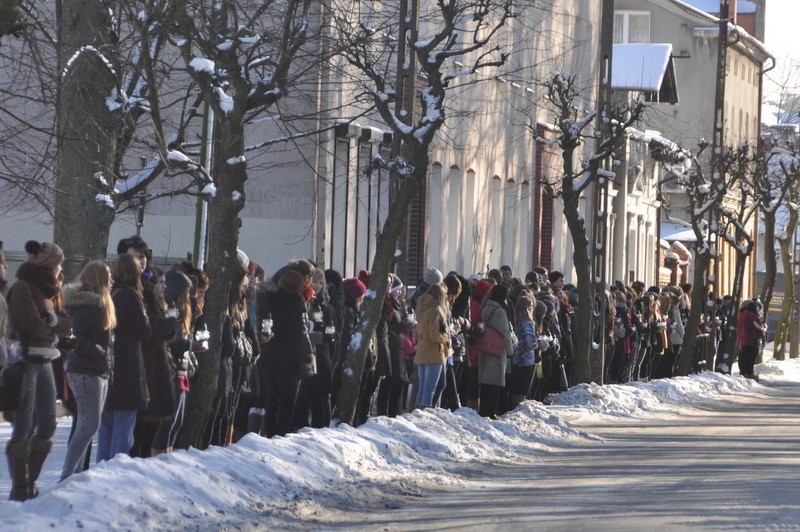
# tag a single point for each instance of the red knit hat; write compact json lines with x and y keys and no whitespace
{"x":353,"y":288}
{"x":482,"y":288}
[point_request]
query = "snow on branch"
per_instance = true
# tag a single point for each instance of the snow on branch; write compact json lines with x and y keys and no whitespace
{"x":88,"y":50}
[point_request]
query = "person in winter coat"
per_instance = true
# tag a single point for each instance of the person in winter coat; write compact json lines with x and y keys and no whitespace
{"x":128,"y":393}
{"x":4,"y":329}
{"x":238,"y":362}
{"x":90,"y":364}
{"x":157,"y":366}
{"x":482,"y":289}
{"x":354,"y":291}
{"x":286,"y":354}
{"x":447,"y":392}
{"x":183,"y":363}
{"x":750,"y":332}
{"x":324,"y":337}
{"x":526,"y":353}
{"x":390,"y":389}
{"x":37,"y":322}
{"x":491,"y":368}
{"x":432,"y":342}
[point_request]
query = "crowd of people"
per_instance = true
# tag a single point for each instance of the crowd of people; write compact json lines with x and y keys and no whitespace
{"x":118,"y":346}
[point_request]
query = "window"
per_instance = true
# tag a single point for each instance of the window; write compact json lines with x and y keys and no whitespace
{"x":631,"y":27}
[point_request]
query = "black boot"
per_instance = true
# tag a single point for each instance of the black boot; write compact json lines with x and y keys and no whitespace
{"x":39,"y":449}
{"x":17,"y":455}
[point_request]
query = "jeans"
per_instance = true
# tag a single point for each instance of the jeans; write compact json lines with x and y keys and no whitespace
{"x":39,"y":399}
{"x":116,"y":433}
{"x":90,"y":393}
{"x":429,"y":375}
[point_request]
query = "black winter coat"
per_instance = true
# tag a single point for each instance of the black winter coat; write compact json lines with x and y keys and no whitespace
{"x":158,"y":369}
{"x":92,"y":354}
{"x":128,"y":391}
{"x":391,"y":327}
{"x":290,"y":348}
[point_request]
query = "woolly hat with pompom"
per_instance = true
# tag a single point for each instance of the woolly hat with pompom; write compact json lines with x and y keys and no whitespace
{"x":44,"y":254}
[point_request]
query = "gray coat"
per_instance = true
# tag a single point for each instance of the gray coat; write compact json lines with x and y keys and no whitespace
{"x":492,"y":369}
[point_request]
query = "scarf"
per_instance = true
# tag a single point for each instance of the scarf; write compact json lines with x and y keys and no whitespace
{"x":40,"y":277}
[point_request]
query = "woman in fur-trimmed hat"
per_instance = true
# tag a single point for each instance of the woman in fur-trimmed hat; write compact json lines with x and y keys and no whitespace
{"x":38,"y":320}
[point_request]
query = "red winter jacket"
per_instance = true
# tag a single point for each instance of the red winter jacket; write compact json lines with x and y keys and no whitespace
{"x":751,"y":329}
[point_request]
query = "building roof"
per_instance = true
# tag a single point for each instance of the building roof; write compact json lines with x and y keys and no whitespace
{"x":672,"y":232}
{"x":646,"y":67}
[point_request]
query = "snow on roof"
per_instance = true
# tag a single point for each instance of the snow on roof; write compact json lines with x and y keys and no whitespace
{"x":672,"y":232}
{"x":640,"y":66}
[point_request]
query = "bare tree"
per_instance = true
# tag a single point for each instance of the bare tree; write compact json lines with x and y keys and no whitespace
{"x":456,"y":39}
{"x":244,"y":58}
{"x":771,"y":188}
{"x":579,"y":174}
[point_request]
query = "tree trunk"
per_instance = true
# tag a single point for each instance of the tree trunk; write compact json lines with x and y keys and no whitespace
{"x":584,"y":315}
{"x":223,"y":238}
{"x":699,"y":298}
{"x":353,"y":367}
{"x":728,"y":346}
{"x":787,"y":259}
{"x":87,"y":133}
{"x":770,"y":260}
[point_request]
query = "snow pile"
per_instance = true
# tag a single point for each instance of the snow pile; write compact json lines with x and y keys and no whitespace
{"x":386,"y":459}
{"x":342,"y":467}
{"x":660,"y":396}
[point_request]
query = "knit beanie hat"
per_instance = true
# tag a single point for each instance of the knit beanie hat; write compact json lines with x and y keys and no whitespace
{"x":333,"y":277}
{"x":353,"y":288}
{"x":540,"y":309}
{"x":482,"y":288}
{"x":177,"y":283}
{"x":45,"y":254}
{"x":364,"y":276}
{"x":432,"y":276}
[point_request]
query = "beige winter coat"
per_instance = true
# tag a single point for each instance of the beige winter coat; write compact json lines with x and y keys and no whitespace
{"x":431,"y":338}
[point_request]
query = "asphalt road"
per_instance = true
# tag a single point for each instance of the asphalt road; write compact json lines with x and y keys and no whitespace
{"x":735,"y":465}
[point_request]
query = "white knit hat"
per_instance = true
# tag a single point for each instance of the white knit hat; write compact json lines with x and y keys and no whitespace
{"x":432,"y":276}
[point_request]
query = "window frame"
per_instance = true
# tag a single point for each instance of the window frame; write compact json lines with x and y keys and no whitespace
{"x":626,"y":17}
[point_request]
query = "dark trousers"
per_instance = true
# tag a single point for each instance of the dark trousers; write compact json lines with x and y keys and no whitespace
{"x":390,"y":396}
{"x":747,"y":359}
{"x":281,"y":396}
{"x":490,"y":400}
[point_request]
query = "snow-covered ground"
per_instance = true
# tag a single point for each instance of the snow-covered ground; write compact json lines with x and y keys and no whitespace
{"x":259,"y":482}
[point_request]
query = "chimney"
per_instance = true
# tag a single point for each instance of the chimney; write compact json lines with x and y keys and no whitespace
{"x":733,"y":11}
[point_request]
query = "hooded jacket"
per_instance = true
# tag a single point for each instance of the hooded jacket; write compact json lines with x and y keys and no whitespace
{"x":432,"y":337}
{"x":92,"y":354}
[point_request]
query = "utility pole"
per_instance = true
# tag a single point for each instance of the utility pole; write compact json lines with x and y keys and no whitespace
{"x":725,"y":360}
{"x":794,"y":342}
{"x":600,"y":216}
{"x":405,"y":104}
{"x":201,"y":214}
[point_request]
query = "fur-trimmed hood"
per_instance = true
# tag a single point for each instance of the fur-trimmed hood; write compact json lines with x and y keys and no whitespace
{"x":76,"y":296}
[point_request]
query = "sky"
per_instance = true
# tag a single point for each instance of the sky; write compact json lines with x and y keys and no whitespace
{"x":240,"y":486}
{"x":781,"y":27}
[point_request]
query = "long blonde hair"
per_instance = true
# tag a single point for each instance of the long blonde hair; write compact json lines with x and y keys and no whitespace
{"x":95,"y":277}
